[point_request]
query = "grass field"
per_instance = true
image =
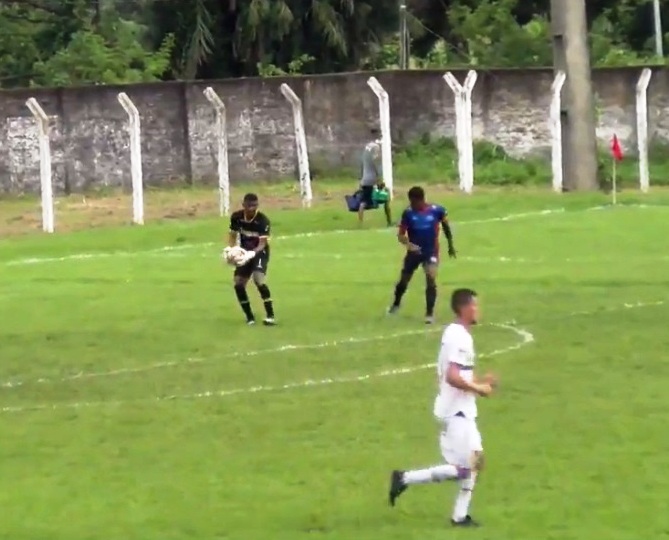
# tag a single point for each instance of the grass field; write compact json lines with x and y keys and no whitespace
{"x":135,"y":404}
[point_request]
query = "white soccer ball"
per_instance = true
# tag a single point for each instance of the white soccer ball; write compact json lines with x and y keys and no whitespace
{"x":233,"y":255}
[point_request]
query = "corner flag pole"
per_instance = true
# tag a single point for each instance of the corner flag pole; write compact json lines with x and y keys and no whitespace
{"x":614,"y":183}
{"x":617,"y":155}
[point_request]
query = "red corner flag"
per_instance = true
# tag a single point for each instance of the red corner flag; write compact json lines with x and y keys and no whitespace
{"x":616,"y":150}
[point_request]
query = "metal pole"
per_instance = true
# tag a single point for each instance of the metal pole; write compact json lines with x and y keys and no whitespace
{"x":657,"y":17}
{"x":404,"y":38}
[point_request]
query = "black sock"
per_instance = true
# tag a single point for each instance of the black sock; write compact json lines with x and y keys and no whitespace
{"x":243,"y":299}
{"x":267,"y":300}
{"x":400,"y":289}
{"x":430,"y":299}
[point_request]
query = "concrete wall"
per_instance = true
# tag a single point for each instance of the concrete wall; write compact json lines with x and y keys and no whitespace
{"x":90,"y":144}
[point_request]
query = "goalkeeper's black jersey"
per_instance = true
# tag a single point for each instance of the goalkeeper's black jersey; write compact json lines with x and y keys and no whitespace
{"x":250,"y":231}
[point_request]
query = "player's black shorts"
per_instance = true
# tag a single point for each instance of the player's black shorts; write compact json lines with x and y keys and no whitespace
{"x":367,"y":195}
{"x":257,"y":264}
{"x":412,"y":261}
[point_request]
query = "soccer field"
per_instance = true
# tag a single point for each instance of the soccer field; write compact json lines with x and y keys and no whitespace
{"x":135,"y":403}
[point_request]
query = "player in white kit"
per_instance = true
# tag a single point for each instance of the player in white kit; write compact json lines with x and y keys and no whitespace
{"x":455,"y":410}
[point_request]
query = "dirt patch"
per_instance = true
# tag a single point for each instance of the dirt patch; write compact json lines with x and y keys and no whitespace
{"x":76,"y":212}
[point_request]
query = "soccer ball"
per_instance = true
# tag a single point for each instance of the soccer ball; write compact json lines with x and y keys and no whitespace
{"x":233,"y":255}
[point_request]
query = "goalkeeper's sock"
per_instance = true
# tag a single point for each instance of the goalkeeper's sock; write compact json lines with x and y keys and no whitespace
{"x":400,"y":289}
{"x":267,"y":300}
{"x":430,"y":299}
{"x":243,"y":299}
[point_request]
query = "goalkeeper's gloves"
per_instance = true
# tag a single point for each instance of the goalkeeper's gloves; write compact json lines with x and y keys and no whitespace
{"x":248,"y":255}
{"x":451,"y":251}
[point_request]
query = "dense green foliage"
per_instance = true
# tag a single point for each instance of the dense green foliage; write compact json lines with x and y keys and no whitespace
{"x":63,"y":42}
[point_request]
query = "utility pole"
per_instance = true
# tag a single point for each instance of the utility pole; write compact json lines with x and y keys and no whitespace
{"x":657,"y":18}
{"x":405,"y":54}
{"x":96,"y":13}
{"x":571,"y":54}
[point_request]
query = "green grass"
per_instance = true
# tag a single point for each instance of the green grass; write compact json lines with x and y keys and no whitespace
{"x":435,"y":160}
{"x":174,"y":440}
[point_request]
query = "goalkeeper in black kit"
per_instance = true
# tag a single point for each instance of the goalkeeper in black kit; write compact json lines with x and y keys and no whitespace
{"x":251,"y":228}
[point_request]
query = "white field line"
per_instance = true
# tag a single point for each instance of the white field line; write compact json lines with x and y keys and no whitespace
{"x":182,"y":247}
{"x":492,"y":259}
{"x":525,"y":336}
{"x":334,"y":256}
{"x":81,"y":376}
{"x":627,"y":305}
{"x":170,"y":250}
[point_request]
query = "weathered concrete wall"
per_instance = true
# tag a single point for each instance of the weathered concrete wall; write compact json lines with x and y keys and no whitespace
{"x":90,"y":143}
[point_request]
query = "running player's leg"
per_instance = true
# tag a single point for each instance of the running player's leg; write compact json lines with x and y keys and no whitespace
{"x":456,"y":466}
{"x":431,"y":268}
{"x":474,"y":453}
{"x":411,"y":263}
{"x":259,"y":278}
{"x":241,"y":279}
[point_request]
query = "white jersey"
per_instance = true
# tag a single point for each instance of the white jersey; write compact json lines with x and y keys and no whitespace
{"x":457,"y":347}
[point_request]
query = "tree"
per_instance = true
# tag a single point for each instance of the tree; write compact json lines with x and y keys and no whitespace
{"x":72,"y":42}
{"x":113,"y":56}
{"x":231,"y":38}
{"x":490,"y":35}
{"x":88,"y":41}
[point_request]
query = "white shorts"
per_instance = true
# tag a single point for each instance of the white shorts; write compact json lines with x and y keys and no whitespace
{"x":459,"y":439}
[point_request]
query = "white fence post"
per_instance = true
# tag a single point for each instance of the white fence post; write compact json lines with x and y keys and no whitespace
{"x":135,"y":158}
{"x":46,"y":181}
{"x":463,"y":127}
{"x":460,"y":137}
{"x":222,"y":138}
{"x":301,"y":144}
{"x":386,"y":135}
{"x":642,"y":127}
{"x":470,"y":81}
{"x":556,"y":130}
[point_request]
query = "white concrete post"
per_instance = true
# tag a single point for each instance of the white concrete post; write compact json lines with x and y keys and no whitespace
{"x":386,"y":135}
{"x":222,"y":146}
{"x":642,"y":127}
{"x":46,"y":181}
{"x":463,"y":127}
{"x":301,"y":144}
{"x":556,"y":130}
{"x":135,"y":158}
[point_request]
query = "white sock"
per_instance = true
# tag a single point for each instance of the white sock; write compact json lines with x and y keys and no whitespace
{"x":433,"y":474}
{"x":464,"y":498}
